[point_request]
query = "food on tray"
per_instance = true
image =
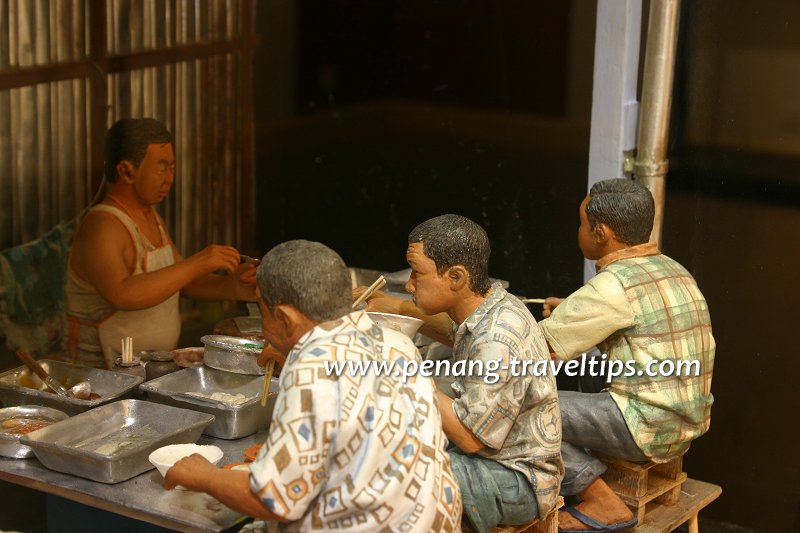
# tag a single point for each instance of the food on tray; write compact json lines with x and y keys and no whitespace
{"x":21,"y":425}
{"x":224,"y":397}
{"x":31,"y":381}
{"x":119,"y":440}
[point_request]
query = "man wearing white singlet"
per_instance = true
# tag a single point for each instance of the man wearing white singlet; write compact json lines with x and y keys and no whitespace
{"x":125,"y":274}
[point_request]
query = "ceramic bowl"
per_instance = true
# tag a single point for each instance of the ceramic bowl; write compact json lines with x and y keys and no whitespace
{"x":404,"y":324}
{"x":163,"y":458}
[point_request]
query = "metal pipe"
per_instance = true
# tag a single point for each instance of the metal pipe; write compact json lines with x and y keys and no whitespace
{"x":651,"y":163}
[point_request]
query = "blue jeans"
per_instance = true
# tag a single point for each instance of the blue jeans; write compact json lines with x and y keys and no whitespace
{"x":491,"y":493}
{"x":591,"y":421}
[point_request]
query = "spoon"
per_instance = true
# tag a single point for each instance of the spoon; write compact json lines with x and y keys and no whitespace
{"x":81,"y":390}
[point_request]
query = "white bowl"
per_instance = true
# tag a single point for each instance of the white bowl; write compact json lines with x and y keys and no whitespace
{"x":404,"y":324}
{"x":166,"y":456}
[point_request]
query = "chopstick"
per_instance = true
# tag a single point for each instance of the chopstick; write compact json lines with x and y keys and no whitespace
{"x":532,"y":300}
{"x":380,"y":282}
{"x":127,"y":350}
{"x":268,"y":369}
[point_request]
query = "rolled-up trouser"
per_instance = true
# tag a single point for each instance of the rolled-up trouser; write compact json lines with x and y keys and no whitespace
{"x":591,"y":421}
{"x":491,"y":493}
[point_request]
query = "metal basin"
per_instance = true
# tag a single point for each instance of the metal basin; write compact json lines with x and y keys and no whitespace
{"x":111,"y":386}
{"x":192,"y":388}
{"x":232,"y":354}
{"x":113,"y":442}
{"x":10,"y":443}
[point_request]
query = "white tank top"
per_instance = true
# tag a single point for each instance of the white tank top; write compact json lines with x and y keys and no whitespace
{"x":96,"y":328}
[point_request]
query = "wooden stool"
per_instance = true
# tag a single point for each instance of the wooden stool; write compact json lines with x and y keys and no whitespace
{"x":695,"y":495}
{"x":640,"y":484}
{"x":548,"y":524}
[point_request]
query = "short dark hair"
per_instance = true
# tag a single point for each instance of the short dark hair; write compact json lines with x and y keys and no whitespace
{"x":451,"y":240}
{"x":307,"y":275}
{"x":625,"y":206}
{"x":128,"y":139}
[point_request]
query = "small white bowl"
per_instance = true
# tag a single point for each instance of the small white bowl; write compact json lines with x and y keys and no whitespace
{"x":166,"y":456}
{"x":404,"y":324}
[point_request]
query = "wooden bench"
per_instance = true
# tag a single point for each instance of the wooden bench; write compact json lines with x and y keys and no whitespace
{"x":694,"y":496}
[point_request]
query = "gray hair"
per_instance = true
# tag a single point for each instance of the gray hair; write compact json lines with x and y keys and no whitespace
{"x":625,"y":206}
{"x":307,"y":275}
{"x":128,"y":139}
{"x":451,"y":240}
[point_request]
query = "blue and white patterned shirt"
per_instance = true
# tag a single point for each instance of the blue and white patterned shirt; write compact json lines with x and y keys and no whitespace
{"x":356,"y":452}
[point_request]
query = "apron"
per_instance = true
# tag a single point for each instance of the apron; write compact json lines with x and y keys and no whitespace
{"x":96,"y":328}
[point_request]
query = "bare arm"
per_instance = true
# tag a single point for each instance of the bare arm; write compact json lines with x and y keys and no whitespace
{"x":230,"y":487}
{"x":456,"y":431}
{"x":103,"y":254}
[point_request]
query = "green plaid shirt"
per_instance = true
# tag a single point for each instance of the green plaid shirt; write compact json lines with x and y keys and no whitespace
{"x":643,"y":306}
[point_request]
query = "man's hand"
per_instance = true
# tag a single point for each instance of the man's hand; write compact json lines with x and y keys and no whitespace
{"x":550,"y":304}
{"x":270,"y":353}
{"x":215,"y":257}
{"x":190,"y":472}
{"x":380,"y":302}
{"x":247,"y":273}
{"x":244,"y":283}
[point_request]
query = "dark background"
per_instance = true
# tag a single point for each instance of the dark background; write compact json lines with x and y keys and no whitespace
{"x":373,"y":116}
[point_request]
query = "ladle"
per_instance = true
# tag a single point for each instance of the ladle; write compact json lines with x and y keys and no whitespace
{"x":81,"y":391}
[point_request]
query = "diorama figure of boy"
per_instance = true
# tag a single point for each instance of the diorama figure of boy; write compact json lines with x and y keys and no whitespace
{"x":507,"y":432}
{"x":641,"y":309}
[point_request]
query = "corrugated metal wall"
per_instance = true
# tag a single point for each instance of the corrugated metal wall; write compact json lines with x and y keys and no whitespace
{"x":46,"y":148}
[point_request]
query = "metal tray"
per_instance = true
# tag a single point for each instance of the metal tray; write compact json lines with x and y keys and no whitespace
{"x":232,"y":354}
{"x":111,"y":386}
{"x":112,"y":443}
{"x":10,"y":444}
{"x":231,"y":421}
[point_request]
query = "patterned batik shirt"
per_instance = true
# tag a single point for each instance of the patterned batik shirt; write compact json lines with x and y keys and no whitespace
{"x":644,"y":309}
{"x":517,"y":417}
{"x":361,"y":451}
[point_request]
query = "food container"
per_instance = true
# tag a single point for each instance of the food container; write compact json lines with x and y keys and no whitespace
{"x":165,"y":457}
{"x":11,"y":434}
{"x":113,"y":442}
{"x":133,"y":368}
{"x":110,"y":386}
{"x":404,"y":324}
{"x":188,"y":357}
{"x":160,"y":364}
{"x":193,"y":388}
{"x":232,"y":354}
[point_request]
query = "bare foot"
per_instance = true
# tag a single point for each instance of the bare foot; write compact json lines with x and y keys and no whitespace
{"x":599,"y":502}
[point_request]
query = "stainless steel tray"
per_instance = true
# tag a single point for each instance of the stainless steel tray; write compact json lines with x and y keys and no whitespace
{"x":111,"y":386}
{"x":232,"y":354}
{"x":231,"y":421}
{"x":111,"y":443}
{"x":10,"y":444}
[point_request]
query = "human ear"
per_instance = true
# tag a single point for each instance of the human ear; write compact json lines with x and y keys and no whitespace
{"x":458,"y":277}
{"x":601,"y":233}
{"x":125,"y":170}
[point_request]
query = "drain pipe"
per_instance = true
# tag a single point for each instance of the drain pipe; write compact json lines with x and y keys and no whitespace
{"x":651,"y":164}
